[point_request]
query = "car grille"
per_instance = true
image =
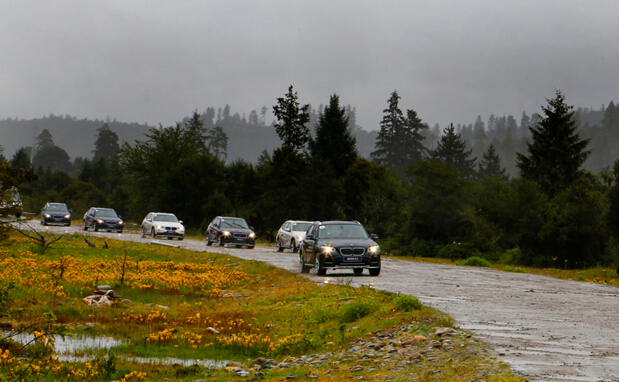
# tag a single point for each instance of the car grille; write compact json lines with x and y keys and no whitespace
{"x":352,"y":251}
{"x":170,"y":228}
{"x":240,"y":235}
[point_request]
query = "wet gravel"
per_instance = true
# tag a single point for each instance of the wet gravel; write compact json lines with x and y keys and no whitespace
{"x":546,"y":329}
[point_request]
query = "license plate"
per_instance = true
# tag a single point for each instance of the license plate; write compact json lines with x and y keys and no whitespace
{"x":351,"y":259}
{"x":171,"y":232}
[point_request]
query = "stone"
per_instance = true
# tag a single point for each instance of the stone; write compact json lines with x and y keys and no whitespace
{"x":445,"y":331}
{"x":104,"y":287}
{"x":212,"y":330}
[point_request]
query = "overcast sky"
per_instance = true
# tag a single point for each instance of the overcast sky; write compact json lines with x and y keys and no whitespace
{"x":156,"y":61}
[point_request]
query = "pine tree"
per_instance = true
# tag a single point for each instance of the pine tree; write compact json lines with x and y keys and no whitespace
{"x":490,"y":165}
{"x":291,"y":121}
{"x":334,"y":142}
{"x":106,"y":144}
{"x":556,"y":153}
{"x":452,"y":149}
{"x":44,"y":139}
{"x":399,"y":142}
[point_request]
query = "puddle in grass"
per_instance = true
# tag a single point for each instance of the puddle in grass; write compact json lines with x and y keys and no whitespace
{"x":65,"y":347}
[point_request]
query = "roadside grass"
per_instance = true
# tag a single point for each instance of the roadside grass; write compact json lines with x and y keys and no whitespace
{"x":601,"y":275}
{"x":187,"y":305}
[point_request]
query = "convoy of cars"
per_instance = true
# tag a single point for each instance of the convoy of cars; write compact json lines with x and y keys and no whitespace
{"x":10,"y":202}
{"x":162,"y":224}
{"x":322,"y":246}
{"x":56,"y":213}
{"x":230,"y":230}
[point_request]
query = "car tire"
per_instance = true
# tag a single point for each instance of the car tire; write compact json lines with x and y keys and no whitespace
{"x":251,"y":246}
{"x":96,"y":228}
{"x":152,"y":233}
{"x":68,"y":225}
{"x":279,"y":246}
{"x":85,"y":227}
{"x":180,"y":239}
{"x":320,"y":271}
{"x":143,"y":234}
{"x":208,"y":242}
{"x":304,"y":268}
{"x":293,"y":246}
{"x":221,"y":242}
{"x":43,"y":222}
{"x":375,"y":272}
{"x":120,"y":231}
{"x":358,"y":271}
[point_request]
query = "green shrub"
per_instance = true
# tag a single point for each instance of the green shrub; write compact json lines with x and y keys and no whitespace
{"x":457,"y":251}
{"x":357,"y":310}
{"x":407,"y":303}
{"x":509,"y":268}
{"x":476,"y":261}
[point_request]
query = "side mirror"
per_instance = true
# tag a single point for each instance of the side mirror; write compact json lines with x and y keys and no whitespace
{"x":373,"y":237}
{"x":309,"y":237}
{"x":120,"y":217}
{"x":251,"y":227}
{"x":180,"y":221}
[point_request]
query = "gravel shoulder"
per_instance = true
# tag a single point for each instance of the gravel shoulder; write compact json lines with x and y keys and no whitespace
{"x":546,"y":329}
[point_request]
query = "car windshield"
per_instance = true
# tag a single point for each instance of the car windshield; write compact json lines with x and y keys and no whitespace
{"x":56,"y":207}
{"x":165,"y":218}
{"x":302,"y":227}
{"x":234,"y":223}
{"x":340,"y":231}
{"x":106,"y":214}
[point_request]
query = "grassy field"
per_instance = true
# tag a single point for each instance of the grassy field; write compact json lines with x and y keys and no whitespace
{"x":214,"y":317}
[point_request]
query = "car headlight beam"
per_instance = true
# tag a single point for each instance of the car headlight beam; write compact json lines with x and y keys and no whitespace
{"x":374,"y":249}
{"x":327,"y":249}
{"x":226,"y":233}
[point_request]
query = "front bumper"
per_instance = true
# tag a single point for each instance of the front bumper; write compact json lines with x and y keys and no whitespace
{"x":57,"y":219}
{"x":110,"y":226}
{"x":238,"y":240}
{"x":170,"y":232}
{"x":338,"y":261}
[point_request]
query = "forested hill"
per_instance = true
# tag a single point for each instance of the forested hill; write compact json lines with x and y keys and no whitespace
{"x":247,"y":139}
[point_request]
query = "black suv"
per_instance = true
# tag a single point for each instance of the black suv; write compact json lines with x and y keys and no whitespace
{"x":339,"y":245}
{"x":228,"y":230}
{"x":102,"y":219}
{"x":56,"y":213}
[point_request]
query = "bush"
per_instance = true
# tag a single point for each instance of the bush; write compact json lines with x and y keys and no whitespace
{"x":476,"y":261}
{"x":456,"y":251}
{"x":357,"y":310}
{"x":407,"y":303}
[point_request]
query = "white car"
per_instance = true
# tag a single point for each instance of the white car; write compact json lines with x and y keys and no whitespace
{"x":163,"y":224}
{"x":291,"y":235}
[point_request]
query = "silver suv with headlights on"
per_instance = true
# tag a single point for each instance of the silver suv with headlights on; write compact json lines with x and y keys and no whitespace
{"x":339,"y":245}
{"x":163,"y":224}
{"x":291,"y":234}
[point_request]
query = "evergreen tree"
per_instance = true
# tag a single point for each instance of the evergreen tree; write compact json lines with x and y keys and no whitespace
{"x":556,"y":153}
{"x":21,"y":159}
{"x":218,"y":142}
{"x":106,"y":144}
{"x":44,"y":140}
{"x":610,"y":120}
{"x":399,"y":141}
{"x":452,"y":149}
{"x":52,"y":157}
{"x":490,"y":165}
{"x":334,"y":142}
{"x":291,"y":121}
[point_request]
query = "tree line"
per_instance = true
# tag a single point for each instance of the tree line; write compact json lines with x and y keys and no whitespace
{"x":423,"y":197}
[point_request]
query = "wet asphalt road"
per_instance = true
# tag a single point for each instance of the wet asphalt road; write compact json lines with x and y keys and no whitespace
{"x":545,"y":329}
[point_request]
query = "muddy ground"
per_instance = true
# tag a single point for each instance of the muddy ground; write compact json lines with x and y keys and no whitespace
{"x":546,"y":329}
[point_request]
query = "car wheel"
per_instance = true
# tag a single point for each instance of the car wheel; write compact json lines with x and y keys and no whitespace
{"x":358,"y":271}
{"x":208,"y":241}
{"x":68,"y":224}
{"x":170,"y":238}
{"x":221,"y":242}
{"x":320,"y":271}
{"x":152,"y":233}
{"x":180,"y":238}
{"x":43,"y":222}
{"x":85,"y":227}
{"x":279,"y":246}
{"x":96,"y":227}
{"x":120,"y":231}
{"x":250,"y":246}
{"x":375,"y":272}
{"x":293,"y":246}
{"x":143,"y":234}
{"x":304,"y":268}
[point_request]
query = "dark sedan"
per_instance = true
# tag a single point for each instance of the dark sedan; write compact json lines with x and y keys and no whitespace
{"x":56,"y":213}
{"x":228,"y":230}
{"x":102,"y":219}
{"x":339,"y":245}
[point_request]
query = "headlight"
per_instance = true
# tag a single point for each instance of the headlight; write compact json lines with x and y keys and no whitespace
{"x":48,"y":216}
{"x":181,"y":228}
{"x":66,"y":216}
{"x":120,"y":222}
{"x":158,"y":227}
{"x":100,"y":221}
{"x":327,"y":249}
{"x":374,"y":249}
{"x":252,"y":235}
{"x":300,"y":238}
{"x":226,"y":233}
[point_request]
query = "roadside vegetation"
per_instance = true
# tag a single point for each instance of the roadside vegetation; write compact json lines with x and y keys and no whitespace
{"x":251,"y":320}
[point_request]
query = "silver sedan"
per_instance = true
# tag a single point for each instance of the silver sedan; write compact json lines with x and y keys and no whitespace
{"x":291,"y":235}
